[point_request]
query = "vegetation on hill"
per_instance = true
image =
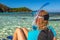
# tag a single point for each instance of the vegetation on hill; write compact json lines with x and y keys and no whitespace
{"x":4,"y":8}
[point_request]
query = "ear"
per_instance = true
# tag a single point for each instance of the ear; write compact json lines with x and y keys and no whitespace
{"x":46,"y":21}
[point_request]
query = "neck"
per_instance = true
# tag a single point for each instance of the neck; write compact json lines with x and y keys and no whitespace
{"x":42,"y":28}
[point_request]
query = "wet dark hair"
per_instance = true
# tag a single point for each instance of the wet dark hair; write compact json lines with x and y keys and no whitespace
{"x":46,"y":17}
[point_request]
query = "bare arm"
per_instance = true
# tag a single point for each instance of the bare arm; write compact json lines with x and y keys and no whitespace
{"x":54,"y":38}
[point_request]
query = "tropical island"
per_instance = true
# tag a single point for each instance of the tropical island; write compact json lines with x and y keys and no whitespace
{"x":4,"y":8}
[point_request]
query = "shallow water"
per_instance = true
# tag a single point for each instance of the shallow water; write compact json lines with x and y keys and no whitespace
{"x":8,"y":24}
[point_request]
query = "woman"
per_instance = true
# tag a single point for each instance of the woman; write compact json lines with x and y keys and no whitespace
{"x":41,"y":23}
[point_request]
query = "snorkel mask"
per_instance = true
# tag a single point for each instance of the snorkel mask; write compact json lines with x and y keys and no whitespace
{"x":46,"y":17}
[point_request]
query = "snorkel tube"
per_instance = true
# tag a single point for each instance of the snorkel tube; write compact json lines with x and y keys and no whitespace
{"x":34,"y":26}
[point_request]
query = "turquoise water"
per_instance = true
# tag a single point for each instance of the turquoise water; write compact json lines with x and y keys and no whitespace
{"x":8,"y":24}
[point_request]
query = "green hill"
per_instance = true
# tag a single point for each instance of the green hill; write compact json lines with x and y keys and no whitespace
{"x":22,"y":9}
{"x":4,"y":8}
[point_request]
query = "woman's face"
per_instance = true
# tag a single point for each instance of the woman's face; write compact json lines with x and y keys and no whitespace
{"x":40,"y":21}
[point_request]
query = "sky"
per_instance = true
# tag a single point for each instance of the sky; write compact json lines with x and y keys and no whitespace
{"x":54,"y":5}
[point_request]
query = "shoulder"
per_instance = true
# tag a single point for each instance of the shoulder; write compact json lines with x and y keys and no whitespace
{"x":53,"y":30}
{"x":33,"y":34}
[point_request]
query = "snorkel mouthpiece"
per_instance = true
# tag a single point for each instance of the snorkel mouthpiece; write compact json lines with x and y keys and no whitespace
{"x":34,"y":27}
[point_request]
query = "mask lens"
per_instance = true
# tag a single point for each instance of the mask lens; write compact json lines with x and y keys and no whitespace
{"x":46,"y":17}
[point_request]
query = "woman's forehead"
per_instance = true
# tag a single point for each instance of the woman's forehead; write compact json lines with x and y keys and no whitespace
{"x":42,"y":13}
